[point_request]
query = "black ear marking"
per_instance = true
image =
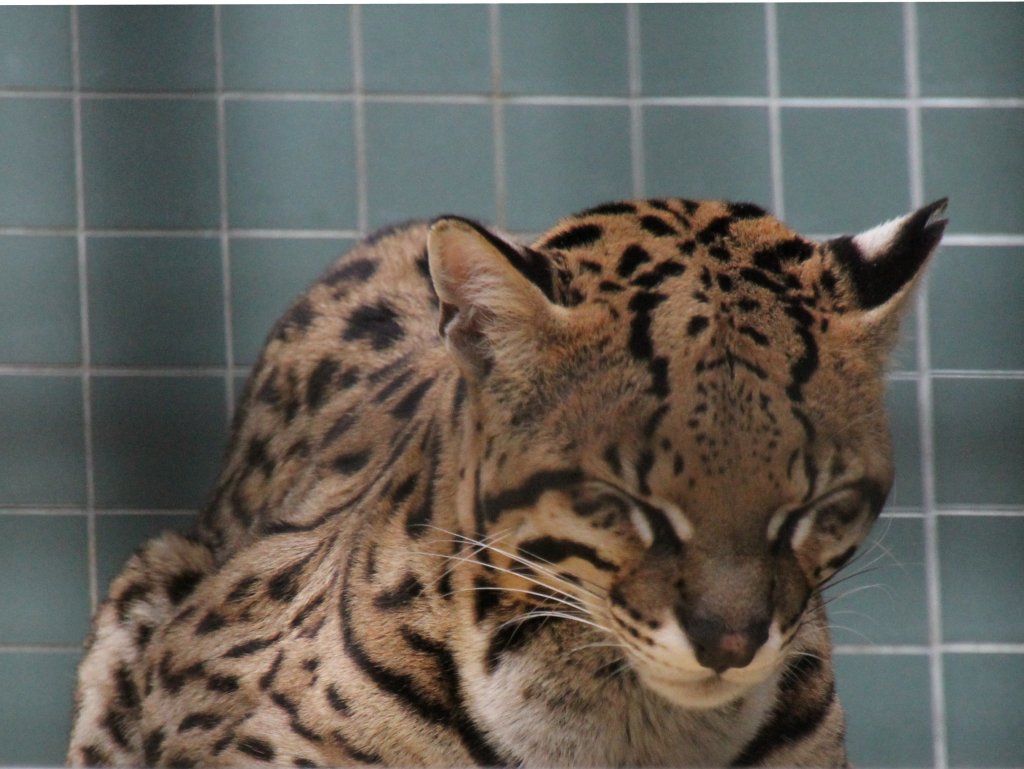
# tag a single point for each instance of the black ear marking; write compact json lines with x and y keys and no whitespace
{"x":883,"y":260}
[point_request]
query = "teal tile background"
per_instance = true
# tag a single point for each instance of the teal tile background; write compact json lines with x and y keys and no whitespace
{"x":426,"y":49}
{"x":971,"y":49}
{"x":725,"y":155}
{"x":893,"y":729}
{"x":37,"y":47}
{"x":845,"y":169}
{"x":852,"y":49}
{"x":39,"y":292}
{"x":424,"y":159}
{"x":566,"y":158}
{"x":564,"y":49}
{"x":147,"y":48}
{"x":290,"y":165}
{"x":37,"y":688}
{"x":37,"y":158}
{"x":156,"y":458}
{"x":180,"y":173}
{"x":156,"y":301}
{"x":150,"y":163}
{"x":278,"y":48}
{"x":701,"y":50}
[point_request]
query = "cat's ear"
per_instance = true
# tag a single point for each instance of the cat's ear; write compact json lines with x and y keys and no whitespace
{"x":881,"y":265}
{"x":497,"y":297}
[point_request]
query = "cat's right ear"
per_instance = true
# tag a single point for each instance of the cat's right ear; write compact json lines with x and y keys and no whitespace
{"x":497,"y":297}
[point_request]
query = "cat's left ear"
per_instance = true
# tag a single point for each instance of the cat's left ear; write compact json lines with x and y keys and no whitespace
{"x":882,"y":264}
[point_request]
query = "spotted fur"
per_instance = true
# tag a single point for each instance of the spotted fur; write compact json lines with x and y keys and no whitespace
{"x":567,"y":504}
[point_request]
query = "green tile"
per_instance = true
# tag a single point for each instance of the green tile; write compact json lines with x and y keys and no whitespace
{"x":156,"y":301}
{"x":41,"y":430}
{"x":984,"y":700}
{"x":976,"y":309}
{"x":880,"y":597}
{"x":266,"y":274}
{"x":39,"y":311}
{"x":562,"y":159}
{"x":37,"y":47}
{"x":35,"y":699}
{"x":888,"y":712}
{"x":147,"y":48}
{"x":286,"y":48}
{"x":150,"y":163}
{"x":423,"y":160}
{"x":904,"y":426}
{"x":37,"y":158}
{"x":978,"y":448}
{"x":44,"y":584}
{"x":857,"y":49}
{"x":708,"y":152}
{"x":845,"y":169}
{"x":971,"y":49}
{"x":981,"y":176}
{"x":118,"y":536}
{"x":703,"y":50}
{"x":429,"y":48}
{"x":158,"y":441}
{"x":291,"y":164}
{"x":564,"y":49}
{"x":982,"y":570}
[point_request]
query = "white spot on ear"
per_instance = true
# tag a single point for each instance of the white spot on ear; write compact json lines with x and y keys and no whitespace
{"x":802,"y":530}
{"x":679,"y":521}
{"x":643,"y":528}
{"x":876,"y":241}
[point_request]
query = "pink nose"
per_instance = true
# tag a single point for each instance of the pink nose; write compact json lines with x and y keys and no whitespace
{"x":719,"y":648}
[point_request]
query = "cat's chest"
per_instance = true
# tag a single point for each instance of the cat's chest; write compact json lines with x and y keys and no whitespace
{"x":546,"y":712}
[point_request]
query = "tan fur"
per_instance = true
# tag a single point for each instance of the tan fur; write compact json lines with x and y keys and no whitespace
{"x":506,"y":542}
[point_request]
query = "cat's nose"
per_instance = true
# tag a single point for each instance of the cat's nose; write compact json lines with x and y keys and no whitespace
{"x":720,"y":647}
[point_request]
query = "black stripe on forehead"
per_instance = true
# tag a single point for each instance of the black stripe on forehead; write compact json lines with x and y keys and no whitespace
{"x":529,"y":491}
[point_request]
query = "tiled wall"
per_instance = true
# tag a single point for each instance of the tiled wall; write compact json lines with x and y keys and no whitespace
{"x":169,"y":177}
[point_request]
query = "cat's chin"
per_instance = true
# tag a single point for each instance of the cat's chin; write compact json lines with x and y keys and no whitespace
{"x":705,"y":692}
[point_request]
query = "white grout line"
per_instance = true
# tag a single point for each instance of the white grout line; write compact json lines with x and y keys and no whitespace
{"x":497,"y":102}
{"x":925,"y":404}
{"x":359,"y":116}
{"x":84,"y":371}
{"x":636,"y":113}
{"x":795,"y":102}
{"x":41,"y":648}
{"x":225,"y":238}
{"x":926,"y":649}
{"x":774,"y":111}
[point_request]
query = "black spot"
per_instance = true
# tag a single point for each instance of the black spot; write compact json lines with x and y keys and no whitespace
{"x":550,"y":550}
{"x":181,"y":586}
{"x":724,"y":282}
{"x":351,"y":462}
{"x":686,"y":247}
{"x":759,"y":278}
{"x":643,"y":304}
{"x":284,"y":585}
{"x":696,"y":325}
{"x":575,"y":237}
{"x":94,"y":756}
{"x":716,"y":229}
{"x":611,"y":209}
{"x":406,"y":407}
{"x":657,"y":226}
{"x":589,"y":266}
{"x":657,"y":274}
{"x":212,"y":622}
{"x":127,"y":692}
{"x":512,"y":636}
{"x":486,"y":598}
{"x":407,"y":591}
{"x":244,"y":588}
{"x":758,"y":338}
{"x":353,"y":269}
{"x":247,"y":648}
{"x":530,"y":491}
{"x":721,"y":253}
{"x":319,"y":382}
{"x":632,"y":258}
{"x":151,"y":747}
{"x":644,"y":464}
{"x":612,"y":459}
{"x":746,"y":211}
{"x":376,"y":323}
{"x":335,"y":700}
{"x":299,"y":317}
{"x":748,"y":305}
{"x":611,"y":287}
{"x":201,"y":720}
{"x":255,"y":747}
